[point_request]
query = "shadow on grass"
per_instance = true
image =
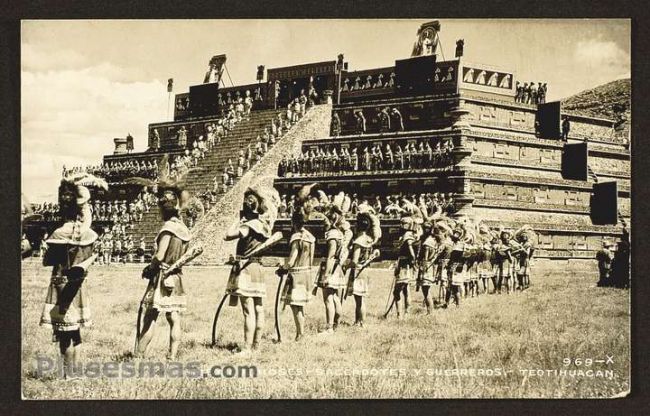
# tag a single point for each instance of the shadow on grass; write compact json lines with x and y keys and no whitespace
{"x":230,"y":346}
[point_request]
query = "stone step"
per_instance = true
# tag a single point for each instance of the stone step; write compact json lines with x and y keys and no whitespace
{"x":243,"y":133}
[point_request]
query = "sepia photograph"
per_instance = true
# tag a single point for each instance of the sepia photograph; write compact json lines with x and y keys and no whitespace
{"x":427,"y":208}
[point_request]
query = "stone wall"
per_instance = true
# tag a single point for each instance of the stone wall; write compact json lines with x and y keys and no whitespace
{"x":210,"y":230}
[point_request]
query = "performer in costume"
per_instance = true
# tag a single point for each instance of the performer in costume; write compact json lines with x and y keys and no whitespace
{"x":246,"y":283}
{"x":441,"y":234}
{"x":70,"y":253}
{"x":456,"y":274}
{"x":471,"y":255}
{"x":523,"y":254}
{"x":426,"y":257}
{"x":484,"y":259}
{"x":297,"y":290}
{"x":504,"y":261}
{"x":166,"y":294}
{"x":368,"y":234}
{"x":405,"y":266}
{"x":330,"y":275}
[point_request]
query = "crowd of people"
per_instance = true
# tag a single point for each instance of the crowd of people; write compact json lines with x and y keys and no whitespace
{"x":393,"y":206}
{"x":390,"y":120}
{"x":327,"y":160}
{"x":116,"y":171}
{"x":529,"y":93}
{"x":249,"y":156}
{"x":115,"y":247}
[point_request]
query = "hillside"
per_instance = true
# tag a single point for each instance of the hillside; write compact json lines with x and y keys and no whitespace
{"x":611,"y":100}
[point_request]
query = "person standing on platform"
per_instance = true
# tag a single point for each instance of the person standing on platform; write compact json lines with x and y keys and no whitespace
{"x":566,"y":128}
{"x":399,"y":158}
{"x":389,"y":162}
{"x":360,"y":122}
{"x":396,"y":122}
{"x":335,"y":125}
{"x":302,"y":100}
{"x":604,"y":257}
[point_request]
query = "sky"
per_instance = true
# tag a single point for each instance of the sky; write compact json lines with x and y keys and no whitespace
{"x":85,"y":82}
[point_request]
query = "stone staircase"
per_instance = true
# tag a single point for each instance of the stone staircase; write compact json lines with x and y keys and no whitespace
{"x":244,"y":132}
{"x":210,"y":230}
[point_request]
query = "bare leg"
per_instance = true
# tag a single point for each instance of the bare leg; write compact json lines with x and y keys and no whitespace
{"x":397,"y":294}
{"x":328,"y":295}
{"x":299,"y":319}
{"x":248,"y":309}
{"x":337,"y":308}
{"x":174,"y":320}
{"x":407,"y":303}
{"x":68,"y":348}
{"x":427,"y":301}
{"x":259,"y":321}
{"x":148,"y":326}
{"x":360,"y":310}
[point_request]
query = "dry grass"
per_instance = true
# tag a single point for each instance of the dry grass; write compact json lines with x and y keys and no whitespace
{"x":563,"y":315}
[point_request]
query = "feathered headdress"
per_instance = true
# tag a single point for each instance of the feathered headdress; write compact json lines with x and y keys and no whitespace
{"x":444,"y":226}
{"x":73,"y":193}
{"x":269,"y":201}
{"x":374,"y":229}
{"x":305,"y":202}
{"x":528,"y":231}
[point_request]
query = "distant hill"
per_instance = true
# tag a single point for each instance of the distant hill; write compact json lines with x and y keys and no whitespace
{"x":611,"y":100}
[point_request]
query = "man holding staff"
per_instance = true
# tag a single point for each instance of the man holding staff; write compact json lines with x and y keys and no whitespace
{"x":246,"y":283}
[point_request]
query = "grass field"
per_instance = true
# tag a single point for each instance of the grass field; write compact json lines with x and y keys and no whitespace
{"x":563,"y":315}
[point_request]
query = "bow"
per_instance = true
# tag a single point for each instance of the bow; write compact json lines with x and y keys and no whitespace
{"x":164,"y":272}
{"x":138,"y":325}
{"x":362,"y":266}
{"x":391,"y":298}
{"x":282,"y":274}
{"x":216,"y":318}
{"x":275,"y":238}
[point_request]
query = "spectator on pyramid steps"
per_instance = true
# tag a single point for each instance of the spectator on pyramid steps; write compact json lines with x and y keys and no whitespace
{"x":225,"y":180}
{"x":296,"y":110}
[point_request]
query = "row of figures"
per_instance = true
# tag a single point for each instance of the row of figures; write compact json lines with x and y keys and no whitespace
{"x":455,"y":255}
{"x":323,"y":160}
{"x":393,"y":206}
{"x":119,"y":211}
{"x":114,"y":248}
{"x":530,"y":94}
{"x":390,"y":120}
{"x":246,"y":99}
{"x":370,"y":82}
{"x":114,"y":170}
